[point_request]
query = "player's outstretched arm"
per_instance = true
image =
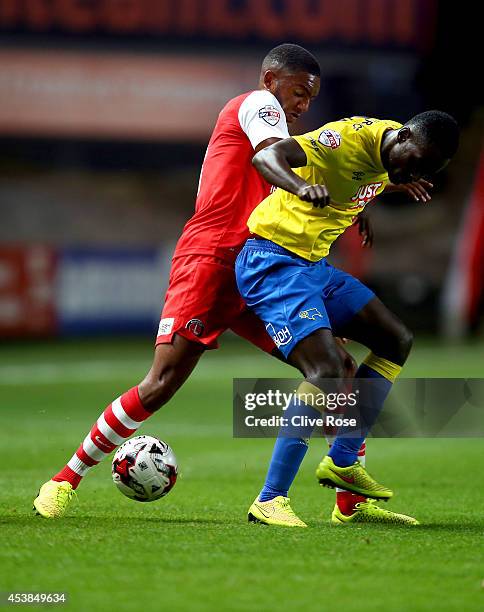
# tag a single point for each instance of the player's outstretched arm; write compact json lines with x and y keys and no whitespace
{"x":418,"y":190}
{"x":275,"y":163}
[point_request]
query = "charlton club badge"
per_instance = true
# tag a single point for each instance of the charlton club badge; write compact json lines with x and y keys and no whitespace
{"x":270,"y":114}
{"x":195,"y":326}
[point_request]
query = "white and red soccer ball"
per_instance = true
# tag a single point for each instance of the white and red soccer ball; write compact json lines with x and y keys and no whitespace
{"x":144,"y":468}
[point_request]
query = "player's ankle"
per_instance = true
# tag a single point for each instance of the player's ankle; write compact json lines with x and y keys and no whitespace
{"x":68,"y":475}
{"x":268,"y":494}
{"x":342,"y":461}
{"x":347,"y":501}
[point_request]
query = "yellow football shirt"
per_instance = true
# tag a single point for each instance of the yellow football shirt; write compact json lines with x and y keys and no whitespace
{"x":343,"y":155}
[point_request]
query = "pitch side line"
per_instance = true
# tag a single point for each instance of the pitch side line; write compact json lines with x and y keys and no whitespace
{"x":95,"y":371}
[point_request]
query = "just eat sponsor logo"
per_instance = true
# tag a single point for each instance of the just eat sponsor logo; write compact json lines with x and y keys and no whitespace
{"x":366,"y":193}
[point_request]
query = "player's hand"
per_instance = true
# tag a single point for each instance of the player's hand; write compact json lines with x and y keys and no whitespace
{"x":365,"y":229}
{"x":318,"y":195}
{"x":349,"y":362}
{"x":418,"y":190}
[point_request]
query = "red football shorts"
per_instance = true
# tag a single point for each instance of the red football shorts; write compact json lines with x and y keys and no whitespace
{"x":202,"y":301}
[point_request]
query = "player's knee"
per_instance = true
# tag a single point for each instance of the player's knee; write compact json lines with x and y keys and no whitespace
{"x":396,"y":344}
{"x":350,"y":366}
{"x":402,"y":343}
{"x":330,"y":368}
{"x":407,"y":341}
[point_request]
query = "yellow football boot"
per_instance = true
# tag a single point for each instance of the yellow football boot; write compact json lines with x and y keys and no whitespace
{"x":369,"y":512}
{"x":53,"y":499}
{"x":276,"y":511}
{"x":353,"y":478}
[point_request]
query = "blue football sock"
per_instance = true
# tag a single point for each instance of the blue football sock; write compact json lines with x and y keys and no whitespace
{"x":344,"y":450}
{"x":288,"y":452}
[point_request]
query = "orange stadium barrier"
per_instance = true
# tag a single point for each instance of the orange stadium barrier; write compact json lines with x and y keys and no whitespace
{"x":116,"y":94}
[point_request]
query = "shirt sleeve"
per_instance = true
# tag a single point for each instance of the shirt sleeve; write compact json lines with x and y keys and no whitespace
{"x":323,"y":147}
{"x":261,"y":117}
{"x":316,"y":150}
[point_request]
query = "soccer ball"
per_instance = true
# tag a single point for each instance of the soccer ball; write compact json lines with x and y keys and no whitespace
{"x":144,"y":468}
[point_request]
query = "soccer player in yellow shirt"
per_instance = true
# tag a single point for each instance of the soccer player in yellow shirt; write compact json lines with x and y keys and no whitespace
{"x":283,"y":275}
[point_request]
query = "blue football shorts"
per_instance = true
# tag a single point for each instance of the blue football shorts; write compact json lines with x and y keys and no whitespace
{"x":294,"y":296}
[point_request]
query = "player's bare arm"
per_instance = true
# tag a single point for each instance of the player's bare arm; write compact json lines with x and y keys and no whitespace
{"x":275,"y":163}
{"x":266,"y":143}
{"x":417,"y":190}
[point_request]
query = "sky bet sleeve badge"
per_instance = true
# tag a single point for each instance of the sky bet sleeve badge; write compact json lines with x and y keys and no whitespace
{"x":270,"y":114}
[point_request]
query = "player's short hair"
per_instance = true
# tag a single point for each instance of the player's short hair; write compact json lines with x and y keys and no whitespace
{"x":436,"y":128}
{"x":293,"y":58}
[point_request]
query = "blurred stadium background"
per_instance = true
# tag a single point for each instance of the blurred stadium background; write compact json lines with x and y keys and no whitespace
{"x":105,"y":111}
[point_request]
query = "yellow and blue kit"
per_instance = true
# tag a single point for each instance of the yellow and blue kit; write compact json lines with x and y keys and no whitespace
{"x":284,"y":276}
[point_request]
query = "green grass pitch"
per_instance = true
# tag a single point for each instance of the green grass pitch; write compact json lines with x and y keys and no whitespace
{"x":194,"y":550}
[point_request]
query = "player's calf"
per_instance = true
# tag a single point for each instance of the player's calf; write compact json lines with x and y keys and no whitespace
{"x":172,"y":365}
